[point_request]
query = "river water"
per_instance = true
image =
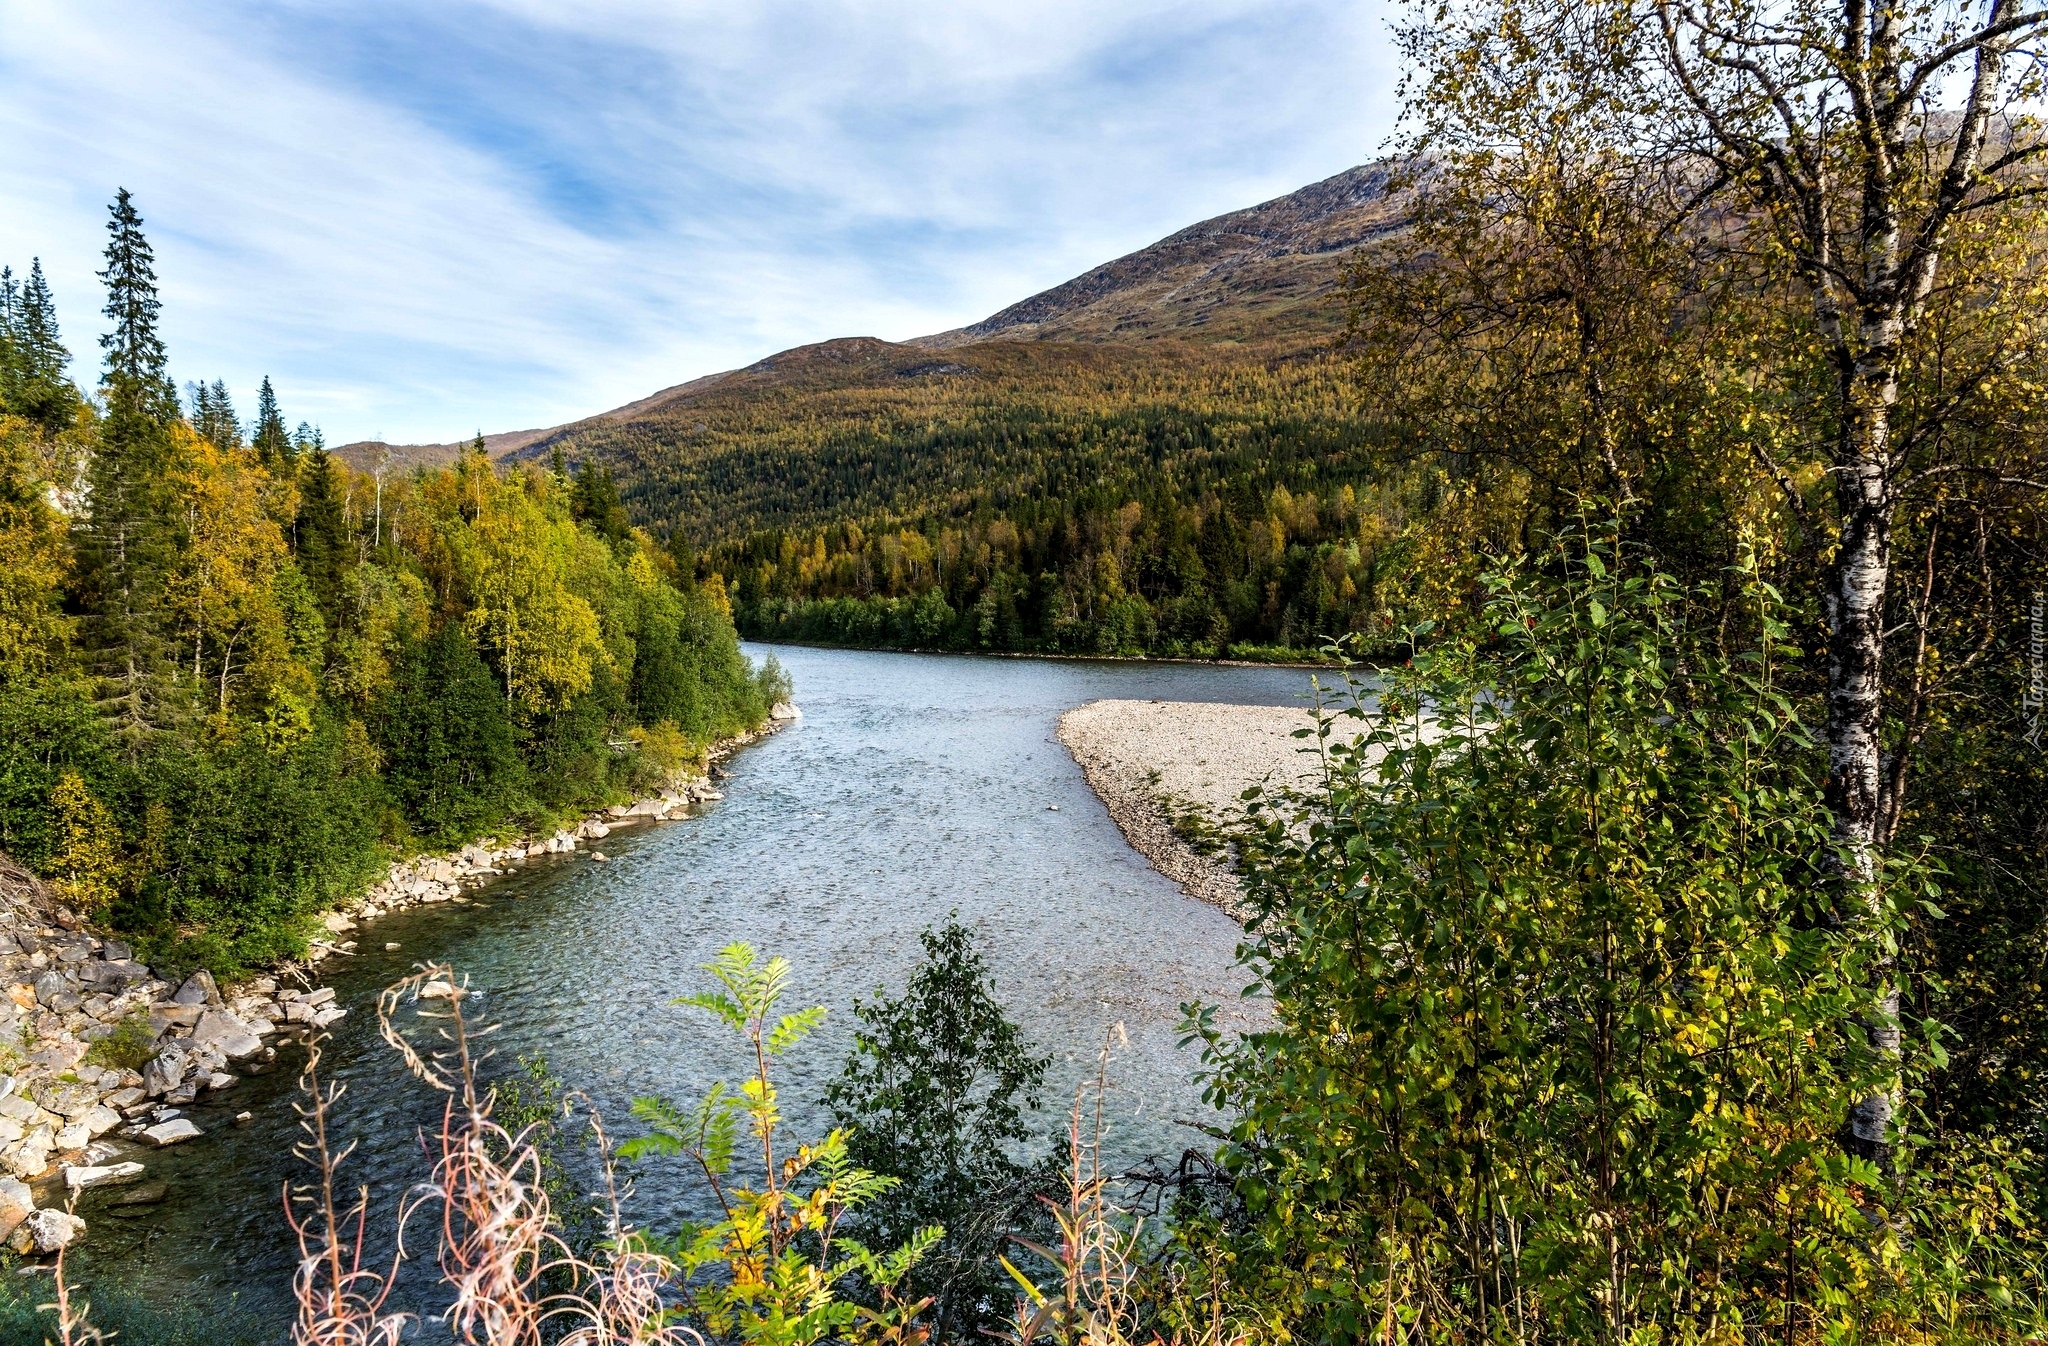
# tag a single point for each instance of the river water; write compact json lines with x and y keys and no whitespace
{"x":914,"y":786}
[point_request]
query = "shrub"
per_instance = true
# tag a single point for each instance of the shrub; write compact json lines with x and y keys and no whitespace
{"x":128,"y":1047}
{"x":1566,"y":1026}
{"x":937,"y":1093}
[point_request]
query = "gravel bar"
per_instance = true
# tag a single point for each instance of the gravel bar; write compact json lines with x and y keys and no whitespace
{"x":1143,"y":757}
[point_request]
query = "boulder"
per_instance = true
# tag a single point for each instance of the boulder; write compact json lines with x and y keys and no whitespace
{"x":221,"y":1030}
{"x":101,"y":1119}
{"x":199,"y":989}
{"x":16,"y":1205}
{"x":116,"y":974}
{"x":80,"y":1177}
{"x":126,"y":1098}
{"x":49,"y":985}
{"x":319,"y":997}
{"x":46,"y":1231}
{"x":785,"y":711}
{"x":70,"y":1100}
{"x":74,"y":1136}
{"x":330,"y":1014}
{"x":17,"y":1108}
{"x":165,"y":1071}
{"x":162,"y":1017}
{"x":337,"y":922}
{"x":173,"y":1132}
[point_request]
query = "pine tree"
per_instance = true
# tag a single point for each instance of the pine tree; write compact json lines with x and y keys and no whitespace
{"x":594,"y":500}
{"x":227,"y":427}
{"x":135,"y":382}
{"x":320,"y":534}
{"x":32,"y":356}
{"x":308,"y":439}
{"x":128,"y":541}
{"x":273,"y":445}
{"x":213,"y":414}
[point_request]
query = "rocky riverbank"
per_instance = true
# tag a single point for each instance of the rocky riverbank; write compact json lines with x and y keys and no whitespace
{"x":1171,"y":773}
{"x":99,"y":1056}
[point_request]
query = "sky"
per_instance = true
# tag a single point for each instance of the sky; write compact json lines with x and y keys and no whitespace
{"x":424,"y":218}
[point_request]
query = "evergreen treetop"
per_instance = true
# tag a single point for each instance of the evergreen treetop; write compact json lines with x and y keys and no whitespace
{"x":213,"y":414}
{"x":135,"y":381}
{"x":272,"y":444}
{"x":32,"y":356}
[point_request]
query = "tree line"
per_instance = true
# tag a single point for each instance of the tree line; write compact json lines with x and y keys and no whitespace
{"x":236,"y":675}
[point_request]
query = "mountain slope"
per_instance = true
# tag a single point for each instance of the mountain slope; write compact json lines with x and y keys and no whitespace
{"x":1257,"y":272}
{"x":1263,"y":277}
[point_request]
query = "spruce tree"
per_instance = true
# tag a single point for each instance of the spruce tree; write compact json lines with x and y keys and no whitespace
{"x":128,"y":539}
{"x":32,"y":356}
{"x":273,"y":445}
{"x":320,"y":533}
{"x":594,"y":500}
{"x":213,"y":414}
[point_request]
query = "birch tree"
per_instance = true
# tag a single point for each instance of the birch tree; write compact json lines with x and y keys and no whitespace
{"x":1857,"y":187}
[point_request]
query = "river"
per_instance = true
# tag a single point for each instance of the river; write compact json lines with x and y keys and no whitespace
{"x":914,"y":786}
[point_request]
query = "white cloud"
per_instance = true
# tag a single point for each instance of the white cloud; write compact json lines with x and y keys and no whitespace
{"x":423,"y":219}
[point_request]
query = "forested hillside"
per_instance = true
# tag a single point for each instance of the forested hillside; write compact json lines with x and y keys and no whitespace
{"x":1161,"y":456}
{"x":236,"y":675}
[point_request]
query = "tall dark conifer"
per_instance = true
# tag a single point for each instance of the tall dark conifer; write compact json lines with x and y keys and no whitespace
{"x":128,"y":540}
{"x":32,"y":355}
{"x":273,"y":444}
{"x":320,"y":534}
{"x":594,"y":500}
{"x":213,"y":414}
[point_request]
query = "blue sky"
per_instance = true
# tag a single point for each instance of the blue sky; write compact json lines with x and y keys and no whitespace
{"x":424,"y":218}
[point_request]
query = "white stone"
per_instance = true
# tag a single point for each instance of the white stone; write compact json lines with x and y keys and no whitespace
{"x":78,"y":1177}
{"x":74,"y":1137}
{"x":102,"y":1118}
{"x":332,"y":1014}
{"x":46,"y":1231}
{"x":172,"y":1132}
{"x":234,"y":1039}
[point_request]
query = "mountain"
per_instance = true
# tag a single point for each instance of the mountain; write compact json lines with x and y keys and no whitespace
{"x":1263,"y":279}
{"x":1239,"y":276}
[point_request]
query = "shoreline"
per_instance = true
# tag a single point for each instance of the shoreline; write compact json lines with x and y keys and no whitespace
{"x":68,"y":1125}
{"x":1171,"y":771}
{"x":1068,"y":658}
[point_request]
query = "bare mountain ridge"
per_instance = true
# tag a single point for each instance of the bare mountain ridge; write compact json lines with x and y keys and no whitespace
{"x":1268,"y":271}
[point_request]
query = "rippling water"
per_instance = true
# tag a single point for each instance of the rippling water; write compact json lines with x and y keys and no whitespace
{"x":915,"y":785}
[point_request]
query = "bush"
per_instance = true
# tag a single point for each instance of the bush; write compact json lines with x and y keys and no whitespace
{"x":937,"y":1092}
{"x":1566,"y":1025}
{"x":128,"y":1047}
{"x":242,"y":843}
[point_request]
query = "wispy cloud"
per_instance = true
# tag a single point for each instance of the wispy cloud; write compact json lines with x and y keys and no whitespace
{"x":425,"y":218}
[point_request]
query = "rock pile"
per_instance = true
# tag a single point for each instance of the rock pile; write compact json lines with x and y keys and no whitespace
{"x":68,"y":1116}
{"x":65,"y":1111}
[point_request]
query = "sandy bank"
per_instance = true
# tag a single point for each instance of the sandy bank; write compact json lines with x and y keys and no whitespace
{"x":1150,"y":761}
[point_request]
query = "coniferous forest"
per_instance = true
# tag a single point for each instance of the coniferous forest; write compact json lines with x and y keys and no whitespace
{"x":236,"y":676}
